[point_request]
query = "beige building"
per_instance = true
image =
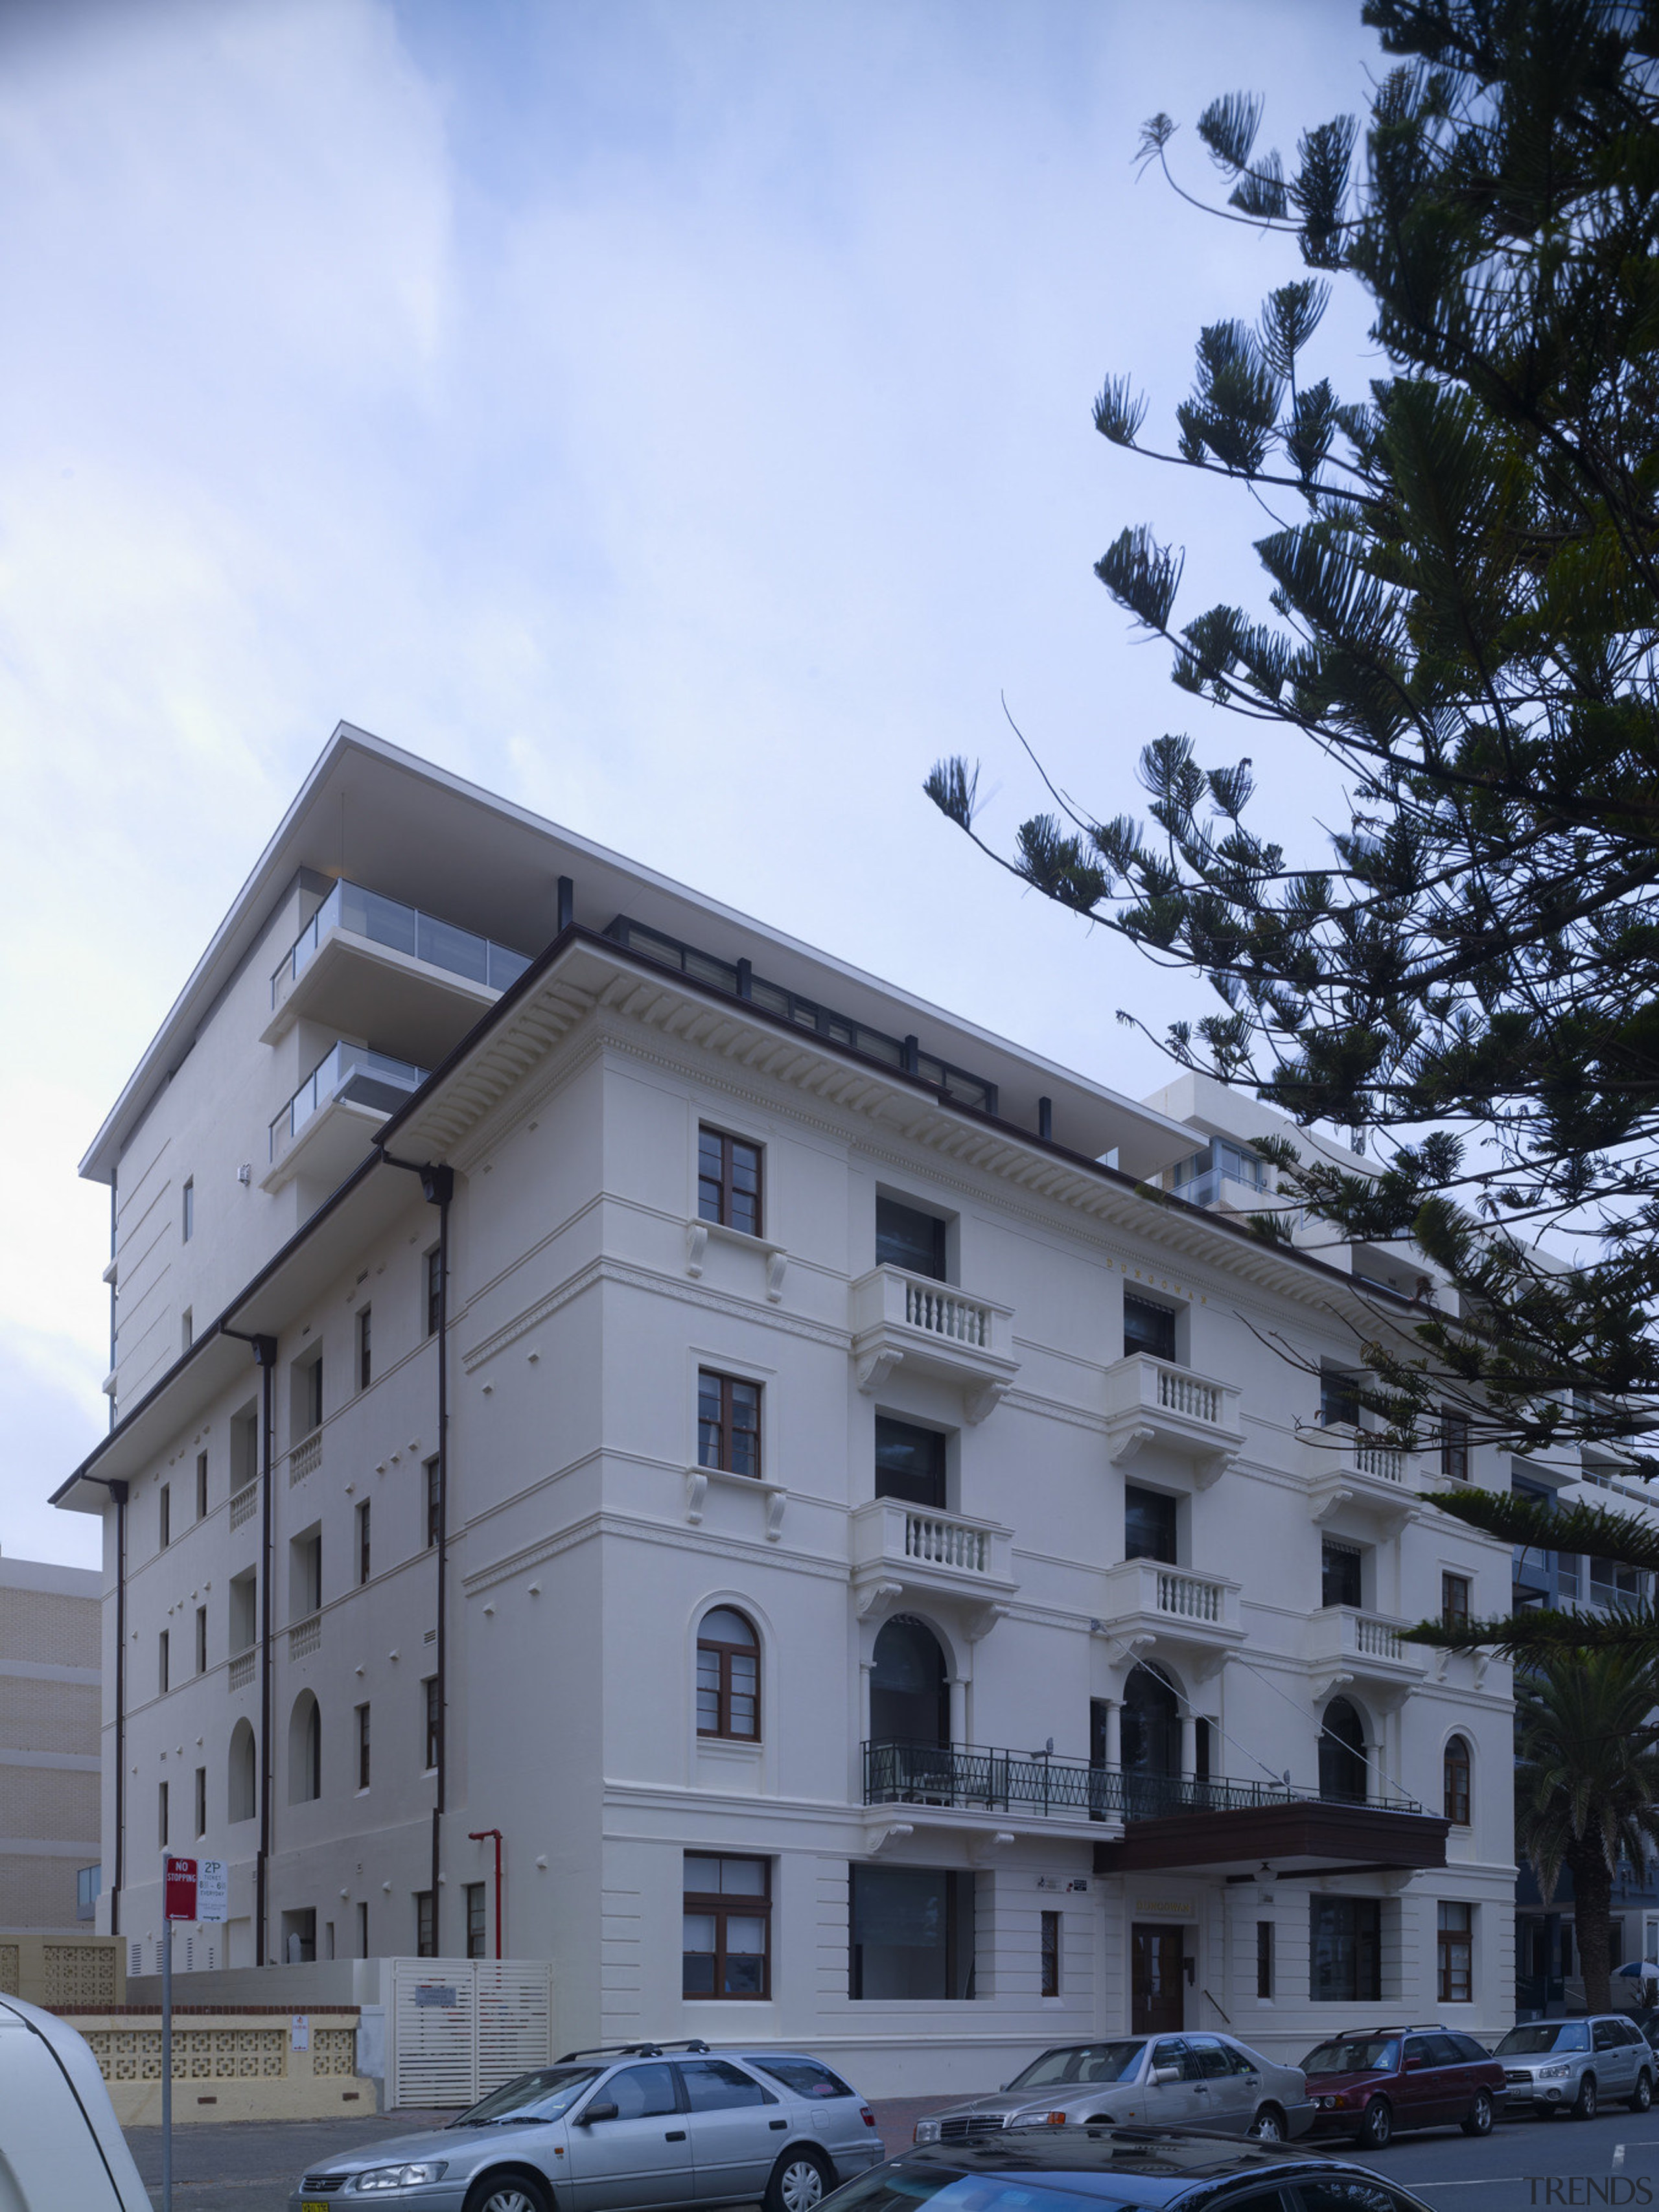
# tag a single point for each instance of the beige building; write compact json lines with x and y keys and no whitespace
{"x":49,"y":1702}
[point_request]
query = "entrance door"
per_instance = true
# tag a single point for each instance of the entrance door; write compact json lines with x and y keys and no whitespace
{"x":1157,"y":1981}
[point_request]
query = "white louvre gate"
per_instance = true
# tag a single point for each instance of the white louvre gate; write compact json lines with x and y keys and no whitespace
{"x":459,"y":2028}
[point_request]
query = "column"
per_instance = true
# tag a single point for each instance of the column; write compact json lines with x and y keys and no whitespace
{"x":1189,"y":1743}
{"x":958,"y":1709}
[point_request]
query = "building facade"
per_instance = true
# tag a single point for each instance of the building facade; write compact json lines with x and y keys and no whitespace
{"x":50,"y":1755}
{"x":599,"y":1380}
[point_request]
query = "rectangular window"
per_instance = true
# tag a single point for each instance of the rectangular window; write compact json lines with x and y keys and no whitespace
{"x":434,"y":1720}
{"x":909,"y":1238}
{"x":314,"y":1394}
{"x":1454,"y":1445}
{"x":201,"y":1640}
{"x":163,"y":1645}
{"x":1264,"y":1959}
{"x":362,"y":1928}
{"x":475,"y":1921}
{"x":161,"y":1815}
{"x":244,"y":1610}
{"x":434,"y":1501}
{"x":1455,"y":1601}
{"x":305,"y":1574}
{"x":909,"y":1463}
{"x":426,"y":1934}
{"x":1345,"y":1950}
{"x":365,"y":1362}
{"x":164,"y":1515}
{"x":201,"y":1485}
{"x":912,"y":1932}
{"x":434,"y":1289}
{"x":187,"y":1221}
{"x":201,"y":1802}
{"x":362,"y":1543}
{"x":727,"y":1942}
{"x":1339,"y":1399}
{"x":1342,"y":1572}
{"x":1150,"y":1525}
{"x":729,"y":1181}
{"x":362,"y":1746}
{"x":1454,"y":1944}
{"x":1148,"y":1327}
{"x":728,"y":1423}
{"x":1050,"y":1954}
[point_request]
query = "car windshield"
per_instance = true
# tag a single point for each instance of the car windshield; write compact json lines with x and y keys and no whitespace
{"x":899,"y":2188}
{"x":1354,"y":2054}
{"x":1544,"y":2035}
{"x":1080,"y":2062}
{"x":543,"y":2096}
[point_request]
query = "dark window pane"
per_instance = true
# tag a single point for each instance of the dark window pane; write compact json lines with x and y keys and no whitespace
{"x":1346,"y":1950}
{"x":642,"y":2093}
{"x":1149,"y":1525}
{"x":1339,"y":1399}
{"x":907,"y":1238}
{"x":909,"y":1463}
{"x":1342,"y":1575}
{"x":912,"y":1933}
{"x":1148,"y":1327}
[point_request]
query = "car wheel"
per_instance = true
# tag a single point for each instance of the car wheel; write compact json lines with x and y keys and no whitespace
{"x":798,"y":2182}
{"x":1643,"y":2097}
{"x":1478,"y":2121}
{"x":1583,"y":2105}
{"x":508,"y":2193}
{"x":1377,"y":2125}
{"x":1268,"y":2125}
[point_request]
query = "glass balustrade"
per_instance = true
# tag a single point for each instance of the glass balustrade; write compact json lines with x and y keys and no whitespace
{"x":350,"y":1071}
{"x":404,"y":929}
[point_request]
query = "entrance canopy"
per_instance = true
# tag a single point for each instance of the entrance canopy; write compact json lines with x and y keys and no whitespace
{"x":1304,"y":1836}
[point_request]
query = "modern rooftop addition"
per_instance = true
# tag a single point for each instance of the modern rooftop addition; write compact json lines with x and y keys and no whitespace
{"x":323,"y":1128}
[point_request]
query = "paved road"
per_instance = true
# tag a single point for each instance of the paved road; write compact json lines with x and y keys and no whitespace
{"x":250,"y":2166}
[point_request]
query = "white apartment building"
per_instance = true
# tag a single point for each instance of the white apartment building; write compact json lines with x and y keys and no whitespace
{"x":597,"y":1376}
{"x":49,"y":1745}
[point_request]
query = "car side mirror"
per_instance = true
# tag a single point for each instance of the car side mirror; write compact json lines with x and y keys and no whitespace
{"x":1166,"y":2074}
{"x":606,"y":2110}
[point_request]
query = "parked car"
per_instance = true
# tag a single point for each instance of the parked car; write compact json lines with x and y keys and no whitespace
{"x":1108,"y":2169}
{"x":1196,"y":2081}
{"x":1577,"y":2065}
{"x":1372,"y":2082}
{"x":60,"y":2143}
{"x":619,"y":2130}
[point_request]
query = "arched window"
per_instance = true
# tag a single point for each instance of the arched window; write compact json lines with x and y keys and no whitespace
{"x":243,"y":1801}
{"x":1455,"y":1776}
{"x":910,"y":1689}
{"x":1149,"y":1745}
{"x":1343,"y":1768}
{"x":305,"y":1750}
{"x":728,"y":1676}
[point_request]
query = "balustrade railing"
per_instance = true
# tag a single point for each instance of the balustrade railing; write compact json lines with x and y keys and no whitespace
{"x":305,"y":1636}
{"x":1188,"y":1394}
{"x":947,"y":1313}
{"x":305,"y":1457}
{"x":244,"y":1504}
{"x":945,"y":1543}
{"x":241,"y":1670}
{"x":974,"y":1777}
{"x":1190,"y":1597}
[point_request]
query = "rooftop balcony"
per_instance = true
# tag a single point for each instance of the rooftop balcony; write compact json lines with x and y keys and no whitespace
{"x":896,"y":1546}
{"x":1152,"y":1401}
{"x":1148,"y":1599}
{"x":898,"y":1319}
{"x":364,"y":965}
{"x":1346,"y":1645}
{"x":327,"y":1125}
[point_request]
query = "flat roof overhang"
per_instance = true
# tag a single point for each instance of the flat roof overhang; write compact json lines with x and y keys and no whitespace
{"x":1306,"y":1837}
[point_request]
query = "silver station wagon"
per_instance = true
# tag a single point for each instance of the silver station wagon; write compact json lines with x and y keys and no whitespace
{"x":1207,"y":2082}
{"x":622,"y":2131}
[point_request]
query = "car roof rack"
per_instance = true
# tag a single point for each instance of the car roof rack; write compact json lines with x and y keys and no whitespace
{"x":634,"y":2049}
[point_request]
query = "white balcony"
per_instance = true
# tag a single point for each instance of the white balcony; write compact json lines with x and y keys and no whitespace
{"x":1346,"y":1645}
{"x":1349,"y":1468}
{"x":1149,"y":1600}
{"x":897,"y":1546}
{"x":910,"y":1321}
{"x":1151,"y":1402}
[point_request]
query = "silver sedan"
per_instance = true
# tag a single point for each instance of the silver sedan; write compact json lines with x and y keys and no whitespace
{"x":1208,"y":2082}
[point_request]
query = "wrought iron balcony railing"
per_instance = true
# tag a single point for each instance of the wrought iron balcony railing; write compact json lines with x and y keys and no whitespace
{"x":972,"y":1777}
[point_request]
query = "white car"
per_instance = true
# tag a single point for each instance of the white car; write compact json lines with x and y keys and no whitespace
{"x":60,"y":2143}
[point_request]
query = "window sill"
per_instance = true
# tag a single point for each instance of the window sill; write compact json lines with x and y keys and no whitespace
{"x":697,"y":1234}
{"x":697,"y":1479}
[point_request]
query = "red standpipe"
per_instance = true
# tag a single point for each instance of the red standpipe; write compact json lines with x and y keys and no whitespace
{"x":479,"y":1836}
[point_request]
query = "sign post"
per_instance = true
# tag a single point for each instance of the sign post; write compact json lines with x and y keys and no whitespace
{"x":197,"y":1890}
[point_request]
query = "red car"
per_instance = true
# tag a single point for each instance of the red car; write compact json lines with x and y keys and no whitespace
{"x":1369,"y":2082}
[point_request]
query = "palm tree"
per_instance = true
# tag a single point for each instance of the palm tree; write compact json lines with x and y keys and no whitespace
{"x":1587,"y":1783}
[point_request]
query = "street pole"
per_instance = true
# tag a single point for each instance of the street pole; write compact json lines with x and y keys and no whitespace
{"x":166,"y":2064}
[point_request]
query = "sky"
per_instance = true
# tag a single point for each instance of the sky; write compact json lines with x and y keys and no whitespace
{"x":674,"y":417}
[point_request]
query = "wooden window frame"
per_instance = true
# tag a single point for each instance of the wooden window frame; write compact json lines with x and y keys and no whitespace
{"x":1455,"y":1614}
{"x":724,"y":1427}
{"x":1454,"y":1956}
{"x":719,"y":1199}
{"x":722,"y":1904}
{"x":1456,"y":1781}
{"x":726,"y":1653}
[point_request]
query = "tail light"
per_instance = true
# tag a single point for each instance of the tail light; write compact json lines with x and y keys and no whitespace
{"x":867,"y":2117}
